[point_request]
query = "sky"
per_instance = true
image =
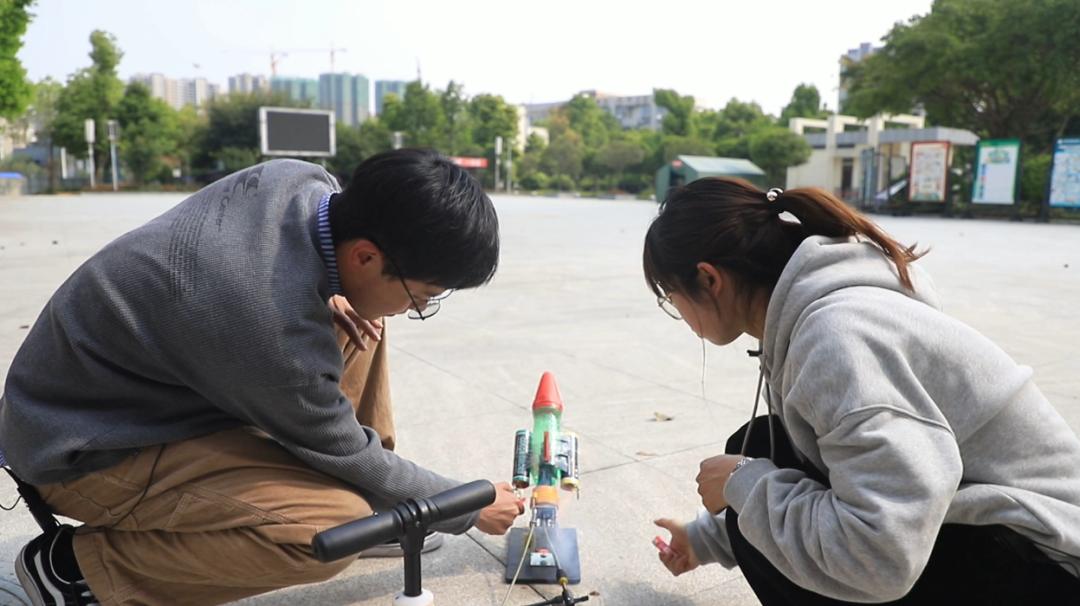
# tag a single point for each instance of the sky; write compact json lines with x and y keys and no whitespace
{"x":526,"y":51}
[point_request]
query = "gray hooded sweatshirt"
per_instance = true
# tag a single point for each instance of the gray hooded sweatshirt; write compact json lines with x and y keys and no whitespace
{"x":917,"y":420}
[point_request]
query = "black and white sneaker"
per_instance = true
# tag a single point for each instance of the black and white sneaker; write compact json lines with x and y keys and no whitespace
{"x":393,"y":549}
{"x":38,"y":576}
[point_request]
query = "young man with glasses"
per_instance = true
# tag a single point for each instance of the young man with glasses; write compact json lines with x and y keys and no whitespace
{"x":186,"y":396}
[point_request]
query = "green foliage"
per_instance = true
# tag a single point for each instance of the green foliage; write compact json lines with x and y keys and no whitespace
{"x":564,"y":157}
{"x":734,"y":125}
{"x":356,"y":144}
{"x":457,"y":140}
{"x":15,"y":89}
{"x":774,"y":149}
{"x":91,"y":93}
{"x":43,"y":107}
{"x":230,"y":139}
{"x":1034,"y":177}
{"x":1002,"y":68}
{"x":619,"y":155}
{"x":680,"y":110}
{"x":805,"y":103}
{"x":534,"y":144}
{"x":492,"y":117}
{"x":534,"y":181}
{"x":690,"y":146}
{"x":148,"y":134}
{"x":590,"y":121}
{"x":562,"y":183}
{"x":419,"y":115}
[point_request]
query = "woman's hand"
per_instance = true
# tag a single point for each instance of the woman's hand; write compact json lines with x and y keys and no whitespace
{"x":712,"y":478}
{"x":679,"y":557}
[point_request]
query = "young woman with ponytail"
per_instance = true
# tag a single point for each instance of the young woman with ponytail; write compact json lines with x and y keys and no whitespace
{"x":905,"y":457}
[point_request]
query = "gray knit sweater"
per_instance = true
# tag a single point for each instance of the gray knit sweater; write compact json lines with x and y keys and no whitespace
{"x":211,"y":316}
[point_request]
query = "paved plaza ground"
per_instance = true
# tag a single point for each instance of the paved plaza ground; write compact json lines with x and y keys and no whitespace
{"x":569,"y":297}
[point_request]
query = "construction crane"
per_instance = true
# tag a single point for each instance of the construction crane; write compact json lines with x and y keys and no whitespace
{"x":277,"y":55}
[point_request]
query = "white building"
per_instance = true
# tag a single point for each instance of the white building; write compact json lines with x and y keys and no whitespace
{"x":178,"y":92}
{"x":858,"y":159}
{"x":525,"y":129}
{"x":248,"y":83}
{"x":633,"y":111}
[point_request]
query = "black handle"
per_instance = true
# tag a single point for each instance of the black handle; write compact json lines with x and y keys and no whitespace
{"x":459,"y":501}
{"x":353,"y":537}
{"x":356,"y":536}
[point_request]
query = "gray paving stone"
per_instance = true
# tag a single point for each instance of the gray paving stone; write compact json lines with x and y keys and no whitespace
{"x":569,"y":298}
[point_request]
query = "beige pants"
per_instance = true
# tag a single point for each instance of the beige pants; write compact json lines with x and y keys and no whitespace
{"x":224,"y":516}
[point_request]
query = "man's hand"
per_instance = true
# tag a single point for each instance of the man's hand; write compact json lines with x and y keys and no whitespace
{"x":500,"y":515}
{"x":353,"y":325}
{"x":680,"y":557}
{"x":712,"y":478}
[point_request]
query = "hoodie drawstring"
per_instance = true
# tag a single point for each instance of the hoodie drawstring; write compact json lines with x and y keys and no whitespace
{"x":757,"y":399}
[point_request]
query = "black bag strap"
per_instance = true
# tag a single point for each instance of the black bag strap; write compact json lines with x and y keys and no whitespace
{"x":43,"y":515}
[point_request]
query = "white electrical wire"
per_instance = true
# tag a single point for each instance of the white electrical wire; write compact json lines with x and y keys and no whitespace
{"x":524,"y":552}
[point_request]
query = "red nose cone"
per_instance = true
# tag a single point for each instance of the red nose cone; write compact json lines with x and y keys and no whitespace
{"x":547,"y":395}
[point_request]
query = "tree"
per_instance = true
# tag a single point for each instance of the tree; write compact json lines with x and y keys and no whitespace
{"x":455,"y":109}
{"x":492,"y":117}
{"x":680,"y":111}
{"x":621,"y":154}
{"x":15,"y":90}
{"x":564,"y":156}
{"x":230,"y":139}
{"x":419,"y":115}
{"x":590,"y":120}
{"x":356,"y":144}
{"x":91,"y":93}
{"x":534,"y":143}
{"x":805,"y":103}
{"x":43,"y":117}
{"x":148,"y":133}
{"x":774,"y":149}
{"x":1002,"y":68}
{"x":191,"y":125}
{"x":734,"y":125}
{"x":672,"y":146}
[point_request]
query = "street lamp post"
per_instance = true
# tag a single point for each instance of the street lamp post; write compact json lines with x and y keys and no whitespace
{"x":89,"y":128}
{"x":114,"y":134}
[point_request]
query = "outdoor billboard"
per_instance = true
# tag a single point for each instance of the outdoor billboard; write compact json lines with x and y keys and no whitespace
{"x":1065,"y":174}
{"x":287,"y":131}
{"x":997,"y":163}
{"x":929,"y":171}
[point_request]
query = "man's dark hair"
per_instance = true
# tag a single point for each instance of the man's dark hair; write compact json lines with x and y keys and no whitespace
{"x":430,"y":217}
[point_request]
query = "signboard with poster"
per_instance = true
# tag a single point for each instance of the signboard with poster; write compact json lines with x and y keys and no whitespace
{"x":469,"y":162}
{"x":997,"y":163}
{"x":1065,"y":174}
{"x":929,"y":171}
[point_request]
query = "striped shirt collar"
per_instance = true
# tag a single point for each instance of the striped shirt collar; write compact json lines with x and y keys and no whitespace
{"x":326,"y":246}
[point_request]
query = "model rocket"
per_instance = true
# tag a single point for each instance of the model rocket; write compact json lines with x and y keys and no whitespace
{"x":546,"y":459}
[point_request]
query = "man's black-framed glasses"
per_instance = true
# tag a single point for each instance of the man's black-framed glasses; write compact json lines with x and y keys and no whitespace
{"x":416,"y":312}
